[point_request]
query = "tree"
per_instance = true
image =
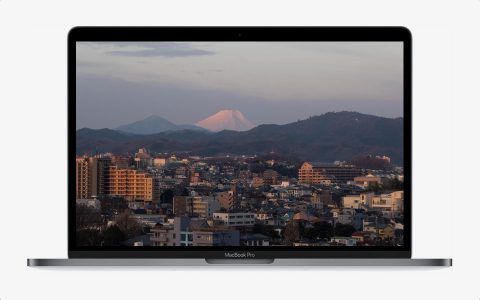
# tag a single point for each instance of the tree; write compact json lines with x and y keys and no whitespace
{"x":88,"y":237}
{"x":113,"y":236}
{"x":321,"y":230}
{"x":344,"y":229}
{"x":127,"y":225}
{"x":267,"y":230}
{"x":87,"y":216}
{"x":185,"y":192}
{"x":167,"y":196}
{"x":291,"y":233}
{"x":88,"y":222}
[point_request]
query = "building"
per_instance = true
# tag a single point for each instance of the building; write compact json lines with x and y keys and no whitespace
{"x":270,"y":177}
{"x":91,"y":176}
{"x":162,"y":235}
{"x":159,"y":162}
{"x":385,"y":202}
{"x":322,"y":197}
{"x":324,"y":173}
{"x":346,"y":241}
{"x":122,"y":161}
{"x":367,"y":181}
{"x":388,"y":202}
{"x":132,"y":184}
{"x":226,"y":199}
{"x":234,"y":219}
{"x":256,"y":239}
{"x":176,"y":234}
{"x":197,"y":206}
{"x":143,"y":159}
{"x":216,"y":237}
{"x":357,"y":201}
{"x":195,"y":178}
{"x":364,"y":236}
{"x":257,"y":182}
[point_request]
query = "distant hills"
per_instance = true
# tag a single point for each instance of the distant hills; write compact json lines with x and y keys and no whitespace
{"x":328,"y":137}
{"x":222,"y":120}
{"x":154,"y":124}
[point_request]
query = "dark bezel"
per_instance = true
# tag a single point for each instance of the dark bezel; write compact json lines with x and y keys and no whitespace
{"x":294,"y":34}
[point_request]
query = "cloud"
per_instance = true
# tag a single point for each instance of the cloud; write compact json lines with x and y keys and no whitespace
{"x":152,"y":49}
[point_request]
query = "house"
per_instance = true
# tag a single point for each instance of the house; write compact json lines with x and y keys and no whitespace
{"x":256,"y":239}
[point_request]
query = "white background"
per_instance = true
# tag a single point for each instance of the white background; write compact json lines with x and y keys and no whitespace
{"x":33,"y":179}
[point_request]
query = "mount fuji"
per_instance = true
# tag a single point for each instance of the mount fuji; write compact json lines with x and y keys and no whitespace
{"x":227,"y":119}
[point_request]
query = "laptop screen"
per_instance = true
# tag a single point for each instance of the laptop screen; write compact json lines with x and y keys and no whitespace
{"x":242,"y":144}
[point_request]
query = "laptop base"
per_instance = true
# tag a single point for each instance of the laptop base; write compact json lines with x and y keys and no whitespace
{"x":141,"y":262}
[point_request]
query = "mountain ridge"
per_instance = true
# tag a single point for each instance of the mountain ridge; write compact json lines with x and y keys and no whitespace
{"x":327,"y":137}
{"x":154,"y":124}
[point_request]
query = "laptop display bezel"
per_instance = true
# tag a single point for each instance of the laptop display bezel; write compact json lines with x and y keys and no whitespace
{"x":241,"y":34}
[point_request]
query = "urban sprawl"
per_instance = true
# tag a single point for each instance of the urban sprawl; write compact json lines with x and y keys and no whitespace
{"x":170,"y":199}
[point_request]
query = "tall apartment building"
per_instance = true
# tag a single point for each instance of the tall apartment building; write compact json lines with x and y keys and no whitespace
{"x":132,"y":184}
{"x":319,"y":173}
{"x":91,"y":176}
{"x":122,"y":161}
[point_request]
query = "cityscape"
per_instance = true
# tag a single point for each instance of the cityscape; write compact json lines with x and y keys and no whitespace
{"x":256,"y":144}
{"x":180,"y":199}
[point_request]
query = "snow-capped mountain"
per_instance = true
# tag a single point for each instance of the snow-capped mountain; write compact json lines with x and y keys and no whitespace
{"x":226,"y":119}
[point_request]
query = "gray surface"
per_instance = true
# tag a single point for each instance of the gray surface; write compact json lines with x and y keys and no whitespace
{"x":139,"y":262}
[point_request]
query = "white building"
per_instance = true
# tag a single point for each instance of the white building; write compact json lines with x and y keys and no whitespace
{"x":236,"y":219}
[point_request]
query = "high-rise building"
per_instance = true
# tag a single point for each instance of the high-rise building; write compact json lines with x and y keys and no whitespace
{"x":132,"y":184}
{"x":318,"y":173}
{"x":91,"y":176}
{"x":83,"y":188}
{"x":122,"y":161}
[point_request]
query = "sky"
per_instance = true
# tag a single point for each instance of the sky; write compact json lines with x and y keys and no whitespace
{"x":270,"y":82}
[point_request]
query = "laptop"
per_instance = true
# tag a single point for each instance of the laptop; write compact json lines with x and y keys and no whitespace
{"x":239,"y":145}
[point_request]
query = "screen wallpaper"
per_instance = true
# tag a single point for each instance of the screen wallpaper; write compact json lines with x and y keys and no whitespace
{"x":239,"y":144}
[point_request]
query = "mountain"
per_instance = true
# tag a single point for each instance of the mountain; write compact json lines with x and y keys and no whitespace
{"x":226,"y":120}
{"x":154,"y":124}
{"x":328,"y":137}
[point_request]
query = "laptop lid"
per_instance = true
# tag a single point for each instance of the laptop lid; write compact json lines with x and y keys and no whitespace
{"x":239,"y":142}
